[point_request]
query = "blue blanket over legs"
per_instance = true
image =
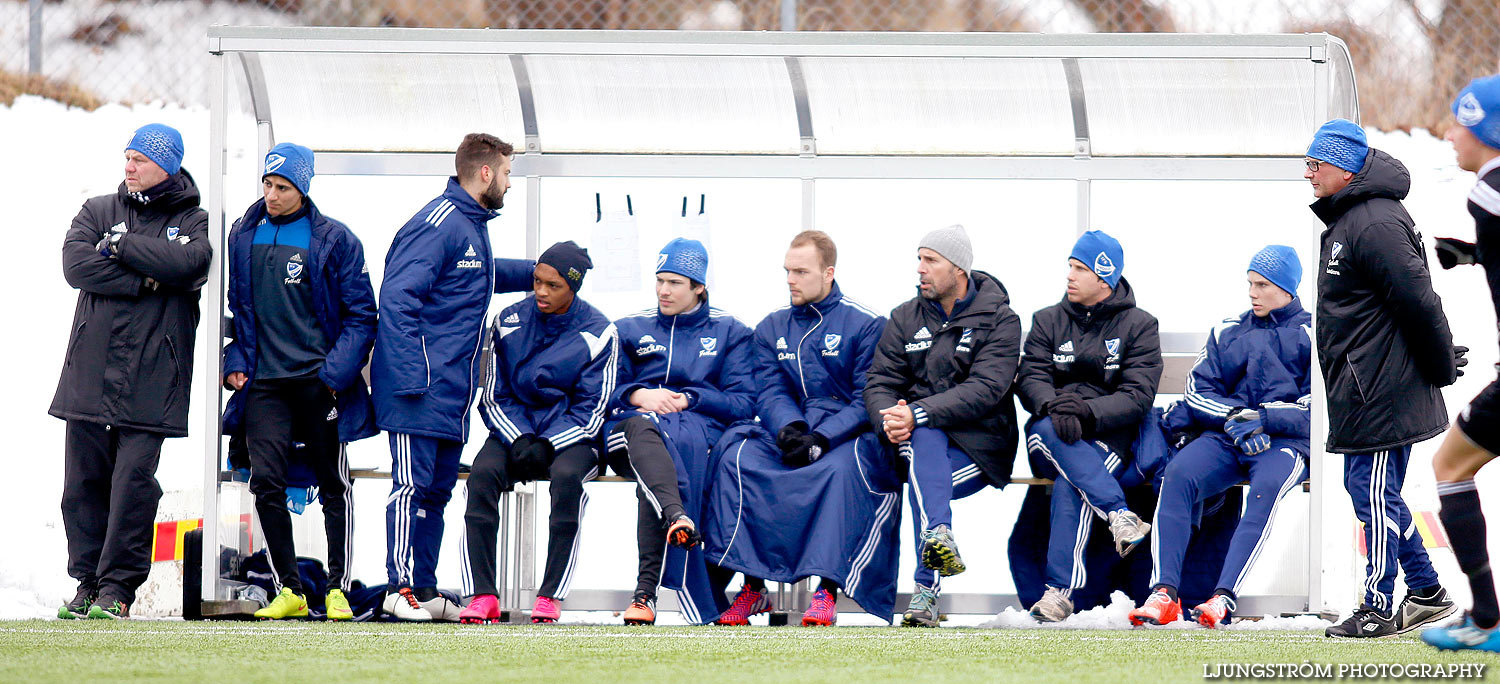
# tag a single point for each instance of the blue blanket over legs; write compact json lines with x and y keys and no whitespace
{"x":837,"y":518}
{"x":688,"y":437}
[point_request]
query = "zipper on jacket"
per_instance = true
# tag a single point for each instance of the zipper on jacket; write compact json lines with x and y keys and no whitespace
{"x":77,"y":337}
{"x":671,"y":338}
{"x":800,"y":351}
{"x":428,"y":364}
{"x":478,"y":343}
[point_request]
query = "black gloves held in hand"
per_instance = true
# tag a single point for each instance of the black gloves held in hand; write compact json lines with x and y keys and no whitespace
{"x":1069,"y":412}
{"x":530,"y":458}
{"x":800,"y":447}
{"x":1460,"y":358}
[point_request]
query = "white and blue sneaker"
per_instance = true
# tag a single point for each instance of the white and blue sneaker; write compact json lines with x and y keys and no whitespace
{"x":1463,"y":636}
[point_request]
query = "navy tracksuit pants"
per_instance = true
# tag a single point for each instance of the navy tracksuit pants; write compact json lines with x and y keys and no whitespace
{"x":938,"y":473}
{"x":1206,"y":467}
{"x":423,"y":473}
{"x":1374,"y":483}
{"x":1087,"y":484}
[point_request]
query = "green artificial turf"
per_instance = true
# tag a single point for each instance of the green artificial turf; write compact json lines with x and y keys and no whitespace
{"x":91,"y":651}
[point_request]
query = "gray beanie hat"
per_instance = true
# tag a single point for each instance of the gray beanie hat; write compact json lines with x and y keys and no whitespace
{"x":952,"y":243}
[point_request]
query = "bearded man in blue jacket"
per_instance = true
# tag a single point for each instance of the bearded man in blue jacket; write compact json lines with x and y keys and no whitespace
{"x":552,"y":375}
{"x":304,"y":321}
{"x":439,"y":275}
{"x":685,"y":375}
{"x":810,"y":491}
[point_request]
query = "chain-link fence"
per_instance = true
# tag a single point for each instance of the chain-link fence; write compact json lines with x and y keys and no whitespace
{"x":1409,"y":55}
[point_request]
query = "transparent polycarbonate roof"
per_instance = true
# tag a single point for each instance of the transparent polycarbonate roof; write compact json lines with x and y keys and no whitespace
{"x":794,"y":94}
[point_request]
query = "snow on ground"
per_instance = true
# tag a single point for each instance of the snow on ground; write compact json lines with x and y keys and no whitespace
{"x":61,"y":157}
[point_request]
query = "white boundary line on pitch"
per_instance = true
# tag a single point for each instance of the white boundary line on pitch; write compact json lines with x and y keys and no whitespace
{"x":526,"y":632}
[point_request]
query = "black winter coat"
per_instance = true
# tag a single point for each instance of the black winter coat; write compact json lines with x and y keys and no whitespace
{"x":1383,"y":341}
{"x":958,"y":375}
{"x":130,"y":355}
{"x":1109,"y":354}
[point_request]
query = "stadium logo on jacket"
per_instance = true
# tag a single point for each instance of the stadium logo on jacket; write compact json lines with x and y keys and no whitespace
{"x":965,"y":341}
{"x":922,"y":334}
{"x":710,"y":346}
{"x":173,"y":232}
{"x":648,"y":345}
{"x":1064,"y":353}
{"x":831,"y":344}
{"x":470,"y":262}
{"x":1113,"y":347}
{"x":781,"y":343}
{"x":1333,"y":258}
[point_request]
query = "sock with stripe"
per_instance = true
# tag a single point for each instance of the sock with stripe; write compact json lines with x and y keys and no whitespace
{"x":1464,"y":521}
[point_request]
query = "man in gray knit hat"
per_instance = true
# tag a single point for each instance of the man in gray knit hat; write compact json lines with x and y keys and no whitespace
{"x":939,"y":389}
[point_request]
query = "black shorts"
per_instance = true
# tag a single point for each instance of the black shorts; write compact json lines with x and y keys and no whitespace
{"x":1480,"y":420}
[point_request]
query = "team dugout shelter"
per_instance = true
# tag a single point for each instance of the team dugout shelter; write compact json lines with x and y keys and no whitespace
{"x":1186,"y":147}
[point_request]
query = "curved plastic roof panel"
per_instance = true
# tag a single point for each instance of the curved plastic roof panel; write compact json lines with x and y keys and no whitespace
{"x":947,"y":106}
{"x":1199,"y":107}
{"x":386,"y":102}
{"x":663,"y":104}
{"x":794,"y":105}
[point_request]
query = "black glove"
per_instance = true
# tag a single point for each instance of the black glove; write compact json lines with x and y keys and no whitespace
{"x":806,"y":450}
{"x":1455,"y":252}
{"x":1460,"y":358}
{"x":1069,"y":412}
{"x":530,"y":458}
{"x":1068,"y":427}
{"x":1178,"y":440}
{"x":789,"y":436}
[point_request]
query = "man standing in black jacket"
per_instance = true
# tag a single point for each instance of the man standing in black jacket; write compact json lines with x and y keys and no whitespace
{"x":138,"y":258}
{"x":1088,"y":376}
{"x":939,"y":388}
{"x":1385,"y":349}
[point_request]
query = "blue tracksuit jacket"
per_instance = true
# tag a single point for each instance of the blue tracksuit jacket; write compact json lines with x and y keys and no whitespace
{"x":552,"y":376}
{"x":701,"y":353}
{"x":439,"y":276}
{"x":1258,"y":363}
{"x":806,"y":359}
{"x":344,"y":304}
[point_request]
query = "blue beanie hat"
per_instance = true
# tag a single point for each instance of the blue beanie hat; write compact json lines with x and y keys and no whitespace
{"x":685,"y":258}
{"x":161,"y":143}
{"x":1102,"y":254}
{"x":1280,"y":265}
{"x":1340,"y":142}
{"x":1477,"y":108}
{"x":292,"y":162}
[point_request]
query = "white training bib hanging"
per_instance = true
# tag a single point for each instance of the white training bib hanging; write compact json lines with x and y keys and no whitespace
{"x":615,"y":247}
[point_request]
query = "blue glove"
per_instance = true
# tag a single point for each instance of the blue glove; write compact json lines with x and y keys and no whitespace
{"x":1242,"y":424}
{"x":296,"y":499}
{"x":1255,"y":443}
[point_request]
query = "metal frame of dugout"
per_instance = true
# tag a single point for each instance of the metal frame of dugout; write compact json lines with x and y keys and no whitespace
{"x":793,"y":105}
